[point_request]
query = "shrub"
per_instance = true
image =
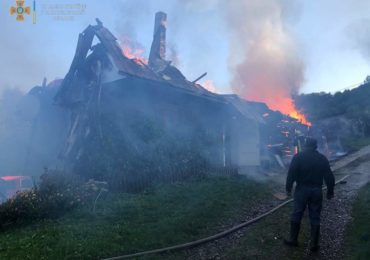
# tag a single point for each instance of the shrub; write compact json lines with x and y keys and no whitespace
{"x":57,"y":193}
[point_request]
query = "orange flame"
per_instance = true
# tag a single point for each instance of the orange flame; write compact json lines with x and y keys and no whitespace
{"x":132,"y":52}
{"x":208,"y":85}
{"x":283,"y":104}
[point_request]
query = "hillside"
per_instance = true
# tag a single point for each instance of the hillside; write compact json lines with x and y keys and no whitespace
{"x":353,"y":104}
{"x":343,"y":118}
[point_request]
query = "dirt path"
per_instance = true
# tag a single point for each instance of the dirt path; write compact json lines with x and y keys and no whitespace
{"x":337,"y":213}
{"x":250,"y":242}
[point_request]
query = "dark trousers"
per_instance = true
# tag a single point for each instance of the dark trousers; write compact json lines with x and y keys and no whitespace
{"x":307,"y":196}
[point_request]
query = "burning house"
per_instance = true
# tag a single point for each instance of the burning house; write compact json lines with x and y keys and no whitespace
{"x":134,"y":120}
{"x":131,"y":121}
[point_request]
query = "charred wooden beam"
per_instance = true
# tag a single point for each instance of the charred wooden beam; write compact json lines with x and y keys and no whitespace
{"x":44,"y":81}
{"x":85,"y":40}
{"x":200,"y":77}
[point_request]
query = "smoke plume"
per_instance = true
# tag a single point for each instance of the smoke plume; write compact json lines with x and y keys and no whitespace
{"x":264,"y":60}
{"x":264,"y":63}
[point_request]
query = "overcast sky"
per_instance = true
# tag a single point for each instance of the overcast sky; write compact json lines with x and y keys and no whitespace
{"x":331,"y":37}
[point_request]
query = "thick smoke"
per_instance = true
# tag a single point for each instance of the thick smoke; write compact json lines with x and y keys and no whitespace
{"x":264,"y":60}
{"x":32,"y":130}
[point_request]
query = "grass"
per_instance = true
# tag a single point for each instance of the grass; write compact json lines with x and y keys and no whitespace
{"x":358,"y":231}
{"x":125,"y":223}
{"x":357,"y":143}
{"x":264,"y":240}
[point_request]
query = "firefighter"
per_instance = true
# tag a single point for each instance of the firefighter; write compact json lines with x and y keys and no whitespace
{"x":308,"y":169}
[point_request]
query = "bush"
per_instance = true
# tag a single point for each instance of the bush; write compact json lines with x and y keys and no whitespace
{"x":56,"y":194}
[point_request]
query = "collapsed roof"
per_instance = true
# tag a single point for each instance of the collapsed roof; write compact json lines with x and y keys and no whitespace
{"x":157,"y":69}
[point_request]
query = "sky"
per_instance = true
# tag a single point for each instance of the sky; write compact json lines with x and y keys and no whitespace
{"x":328,"y":39}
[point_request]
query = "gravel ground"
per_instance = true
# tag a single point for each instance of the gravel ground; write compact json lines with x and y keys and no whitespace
{"x":335,"y":215}
{"x":337,"y":212}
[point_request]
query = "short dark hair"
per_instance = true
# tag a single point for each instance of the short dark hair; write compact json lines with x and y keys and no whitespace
{"x":311,"y":143}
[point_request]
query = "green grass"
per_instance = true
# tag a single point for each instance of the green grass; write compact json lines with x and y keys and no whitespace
{"x":358,"y":231}
{"x":358,"y":143}
{"x":126,"y":223}
{"x":264,"y":240}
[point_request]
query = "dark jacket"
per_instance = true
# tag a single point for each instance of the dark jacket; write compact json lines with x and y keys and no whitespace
{"x":310,"y":168}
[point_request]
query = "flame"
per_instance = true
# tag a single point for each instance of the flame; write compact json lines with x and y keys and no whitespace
{"x":208,"y":85}
{"x":300,"y":117}
{"x":133,"y":51}
{"x":283,"y":104}
{"x":14,"y":178}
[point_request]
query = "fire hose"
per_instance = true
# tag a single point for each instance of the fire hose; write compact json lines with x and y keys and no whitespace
{"x":218,"y":235}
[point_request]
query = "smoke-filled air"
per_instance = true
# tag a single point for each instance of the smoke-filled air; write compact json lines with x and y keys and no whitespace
{"x":197,"y":129}
{"x":264,"y":59}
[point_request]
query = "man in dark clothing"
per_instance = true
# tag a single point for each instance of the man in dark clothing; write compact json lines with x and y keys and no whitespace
{"x":308,"y":169}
